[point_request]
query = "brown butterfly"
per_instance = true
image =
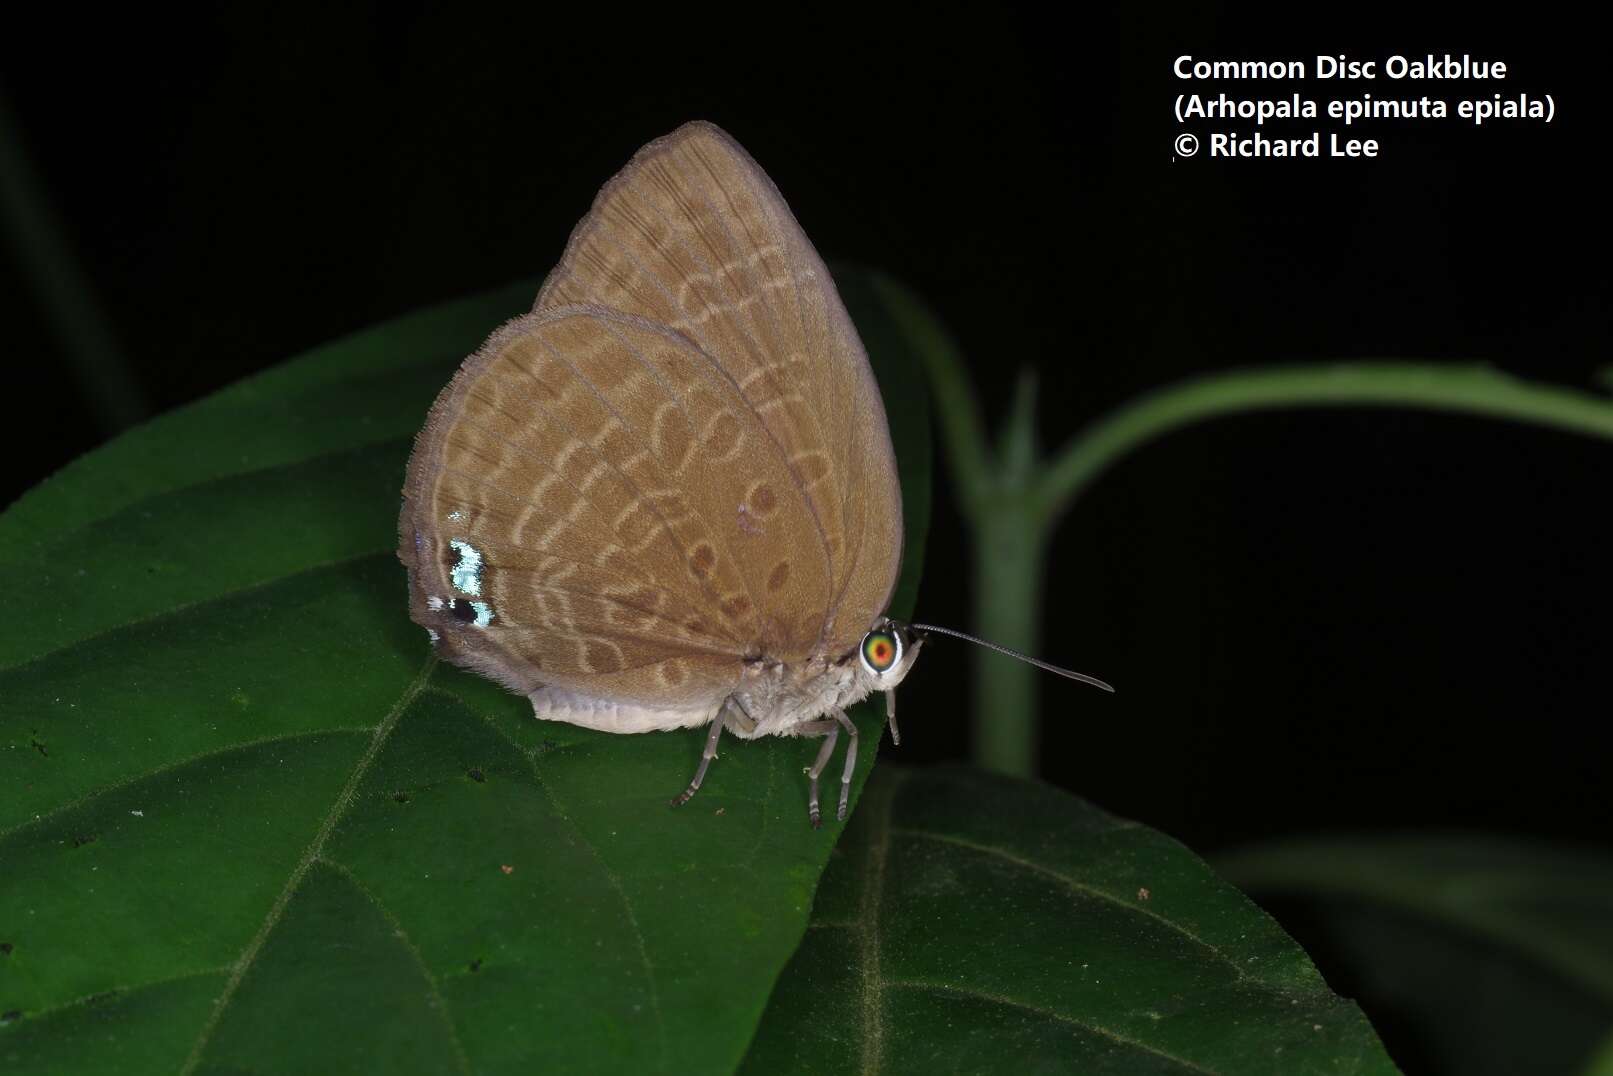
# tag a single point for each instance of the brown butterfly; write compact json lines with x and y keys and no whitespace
{"x":667,"y":496}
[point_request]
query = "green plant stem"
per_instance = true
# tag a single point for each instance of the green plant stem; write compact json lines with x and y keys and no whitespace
{"x":1012,"y":501}
{"x":962,"y":431}
{"x":1010,"y":553}
{"x":1475,"y":390}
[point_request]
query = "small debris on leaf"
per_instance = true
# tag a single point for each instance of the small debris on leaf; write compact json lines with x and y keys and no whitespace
{"x":506,"y":868}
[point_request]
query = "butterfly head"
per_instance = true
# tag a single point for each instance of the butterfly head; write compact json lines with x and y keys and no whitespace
{"x":885,"y":655}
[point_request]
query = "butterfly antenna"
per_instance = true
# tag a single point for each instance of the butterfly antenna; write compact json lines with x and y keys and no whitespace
{"x":1067,"y":673}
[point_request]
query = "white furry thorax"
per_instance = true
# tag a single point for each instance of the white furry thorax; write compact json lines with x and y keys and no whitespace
{"x":774,"y":699}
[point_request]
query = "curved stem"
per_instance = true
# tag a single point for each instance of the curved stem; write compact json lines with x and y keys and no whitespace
{"x":1012,"y":502}
{"x":963,"y":432}
{"x":1476,"y":390}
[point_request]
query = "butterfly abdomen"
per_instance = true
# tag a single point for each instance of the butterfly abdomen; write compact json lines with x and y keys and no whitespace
{"x":606,"y":715}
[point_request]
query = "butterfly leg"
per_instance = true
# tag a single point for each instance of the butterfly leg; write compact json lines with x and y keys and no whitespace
{"x":851,"y":761}
{"x":830,"y":731}
{"x":890,"y":716}
{"x":705,"y":760}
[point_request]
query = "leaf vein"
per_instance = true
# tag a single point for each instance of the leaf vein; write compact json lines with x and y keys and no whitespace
{"x":224,"y":479}
{"x":119,"y":992}
{"x":133,"y":779}
{"x":188,"y":607}
{"x":408,"y":943}
{"x":277,"y":910}
{"x":610,"y":876}
{"x":868,"y":937}
{"x":1051,"y":1014}
{"x":1081,"y":887}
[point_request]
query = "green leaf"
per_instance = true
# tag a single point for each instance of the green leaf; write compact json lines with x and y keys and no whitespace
{"x":247,"y":823}
{"x":1600,"y":1063}
{"x":975,"y":923}
{"x":1444,"y":933}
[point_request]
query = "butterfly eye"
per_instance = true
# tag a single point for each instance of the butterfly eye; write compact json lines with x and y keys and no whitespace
{"x":881,"y":650}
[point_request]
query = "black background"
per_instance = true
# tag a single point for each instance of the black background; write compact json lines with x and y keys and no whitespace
{"x":1320,"y":620}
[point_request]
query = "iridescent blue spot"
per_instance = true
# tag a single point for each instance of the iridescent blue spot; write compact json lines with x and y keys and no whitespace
{"x":467,"y":570}
{"x":484,"y":614}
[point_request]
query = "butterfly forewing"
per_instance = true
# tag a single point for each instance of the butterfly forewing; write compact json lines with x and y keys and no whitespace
{"x":678,"y":462}
{"x":693,"y":234}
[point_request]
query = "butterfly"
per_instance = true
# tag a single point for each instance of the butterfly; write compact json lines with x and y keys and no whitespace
{"x":666,"y":497}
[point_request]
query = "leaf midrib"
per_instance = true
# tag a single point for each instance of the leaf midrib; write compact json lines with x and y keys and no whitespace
{"x":868,"y":932}
{"x":866,"y":929}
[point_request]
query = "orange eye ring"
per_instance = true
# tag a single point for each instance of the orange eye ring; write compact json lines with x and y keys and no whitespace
{"x":880,"y":652}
